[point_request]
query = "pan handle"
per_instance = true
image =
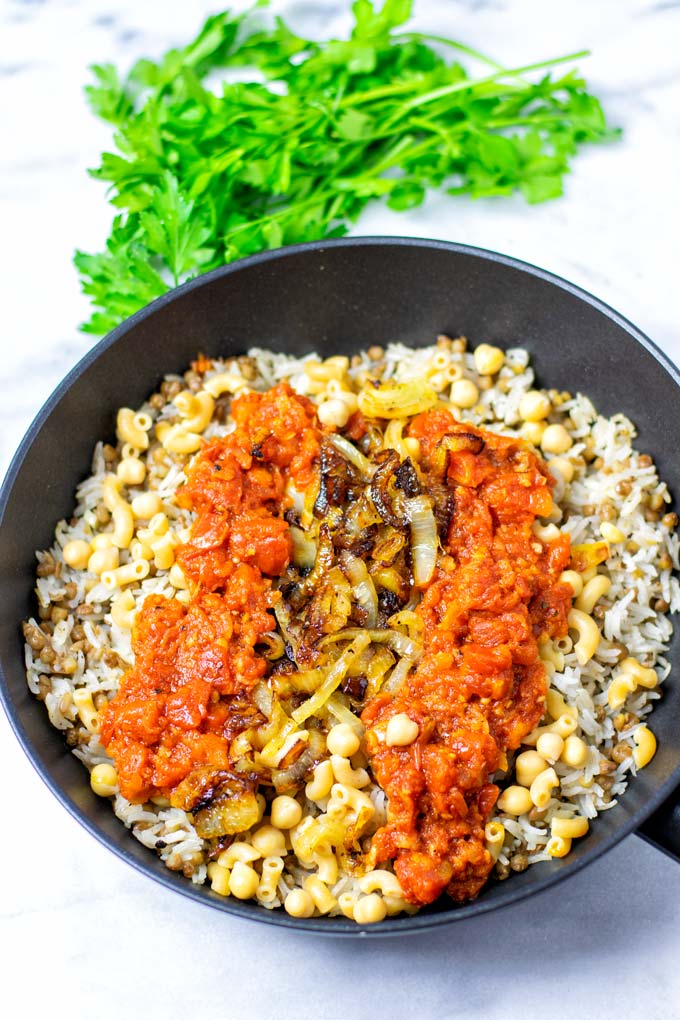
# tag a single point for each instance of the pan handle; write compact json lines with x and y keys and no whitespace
{"x":662,"y":829}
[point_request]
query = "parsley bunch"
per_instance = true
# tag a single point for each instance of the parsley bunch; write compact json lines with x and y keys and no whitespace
{"x":204,"y":175}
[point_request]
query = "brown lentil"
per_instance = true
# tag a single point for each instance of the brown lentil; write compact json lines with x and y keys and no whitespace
{"x":48,"y":656}
{"x":34,"y":636}
{"x":607,"y":512}
{"x":110,"y":454}
{"x":170,"y":388}
{"x":519,"y":861}
{"x":502,"y":871}
{"x":645,"y":460}
{"x":652,"y":516}
{"x":661,"y":606}
{"x":77,"y":634}
{"x":70,"y":590}
{"x":606,"y":766}
{"x":157,"y":402}
{"x":537,"y":814}
{"x":247,"y":367}
{"x":193,"y":380}
{"x":102,"y":514}
{"x":665,"y":562}
{"x":47,"y":566}
{"x":656,"y":501}
{"x":459,"y":345}
{"x":623,"y":488}
{"x":100,"y":700}
{"x":621,"y":649}
{"x":85,"y":609}
{"x":58,"y":614}
{"x":375,"y":352}
{"x":620,"y":752}
{"x":670,"y":520}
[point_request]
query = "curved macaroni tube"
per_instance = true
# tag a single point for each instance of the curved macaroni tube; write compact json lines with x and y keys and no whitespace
{"x":111,"y":492}
{"x":545,"y":533}
{"x":645,"y":746}
{"x":196,"y":409}
{"x":563,"y":727}
{"x":588,"y":635}
{"x":224,"y":382}
{"x":326,"y":864}
{"x":619,"y":689}
{"x":344,"y":773}
{"x":322,"y":782}
{"x":324,"y":900}
{"x":123,"y":610}
{"x":592,"y":593}
{"x":557,"y":706}
{"x":164,"y":551}
{"x":176,"y":439}
{"x":554,"y":656}
{"x":382,"y":881}
{"x":541,"y":789}
{"x":240,"y":851}
{"x":360,"y":804}
{"x":558,"y":846}
{"x":123,"y":525}
{"x":569,"y":828}
{"x":128,"y":429}
{"x":219,"y":878}
{"x":645,"y":676}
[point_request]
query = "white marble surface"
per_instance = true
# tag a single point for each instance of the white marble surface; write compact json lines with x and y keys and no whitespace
{"x":83,"y":934}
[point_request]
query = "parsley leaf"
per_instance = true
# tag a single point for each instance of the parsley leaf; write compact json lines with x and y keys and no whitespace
{"x":202,"y":173}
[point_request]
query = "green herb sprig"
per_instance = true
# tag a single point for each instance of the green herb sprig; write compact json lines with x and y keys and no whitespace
{"x":204,"y":175}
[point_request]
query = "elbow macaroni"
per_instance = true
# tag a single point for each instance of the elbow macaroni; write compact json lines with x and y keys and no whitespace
{"x":588,"y":635}
{"x":129,"y":431}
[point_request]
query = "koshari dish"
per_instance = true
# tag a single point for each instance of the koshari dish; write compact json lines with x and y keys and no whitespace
{"x":337,"y":637}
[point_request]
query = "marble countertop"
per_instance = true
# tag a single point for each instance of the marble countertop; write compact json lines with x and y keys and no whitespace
{"x":82,"y":933}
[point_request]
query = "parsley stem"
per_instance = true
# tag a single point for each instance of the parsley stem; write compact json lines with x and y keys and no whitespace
{"x":459,"y":86}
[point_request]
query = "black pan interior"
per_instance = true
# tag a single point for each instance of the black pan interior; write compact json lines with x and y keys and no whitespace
{"x":334,"y":298}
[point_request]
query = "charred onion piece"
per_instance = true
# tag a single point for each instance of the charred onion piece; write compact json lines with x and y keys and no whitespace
{"x":406,"y":478}
{"x":455,"y":442}
{"x":289,"y":779}
{"x":339,"y":480}
{"x":221,"y":802}
{"x":387,"y":464}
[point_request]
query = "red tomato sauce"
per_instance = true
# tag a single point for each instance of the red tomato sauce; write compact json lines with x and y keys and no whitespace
{"x":480,"y":686}
{"x":171,"y":713}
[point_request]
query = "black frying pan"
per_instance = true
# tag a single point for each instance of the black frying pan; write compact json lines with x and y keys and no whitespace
{"x":336,"y":297}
